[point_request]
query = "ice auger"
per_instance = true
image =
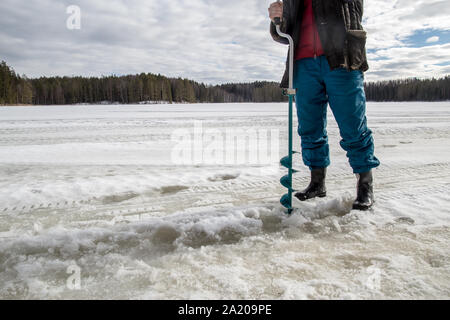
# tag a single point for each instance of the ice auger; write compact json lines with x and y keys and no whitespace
{"x":286,"y":181}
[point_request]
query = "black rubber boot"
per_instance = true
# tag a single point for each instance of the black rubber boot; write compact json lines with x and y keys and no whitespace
{"x":316,"y":187}
{"x":365,"y":198}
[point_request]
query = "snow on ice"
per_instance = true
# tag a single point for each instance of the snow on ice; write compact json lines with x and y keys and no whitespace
{"x":93,"y":206}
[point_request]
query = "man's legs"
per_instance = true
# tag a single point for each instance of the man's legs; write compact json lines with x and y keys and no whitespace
{"x":348,"y":102}
{"x":311,"y":102}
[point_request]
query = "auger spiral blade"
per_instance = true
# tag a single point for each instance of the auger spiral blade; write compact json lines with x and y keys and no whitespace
{"x":286,"y":202}
{"x":286,"y":182}
{"x":286,"y":162}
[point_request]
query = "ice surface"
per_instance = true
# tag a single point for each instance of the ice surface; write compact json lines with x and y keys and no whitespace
{"x":96,"y":187}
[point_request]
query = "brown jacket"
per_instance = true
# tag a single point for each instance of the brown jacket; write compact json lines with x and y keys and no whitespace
{"x":340,"y":30}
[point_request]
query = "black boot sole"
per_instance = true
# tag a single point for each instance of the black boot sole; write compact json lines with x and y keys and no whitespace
{"x":362,"y":207}
{"x":304,"y":198}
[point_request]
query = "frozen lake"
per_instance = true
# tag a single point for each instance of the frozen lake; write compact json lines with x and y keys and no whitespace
{"x":116,"y":202}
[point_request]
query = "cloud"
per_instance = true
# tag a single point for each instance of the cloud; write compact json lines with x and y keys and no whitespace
{"x":432,"y":39}
{"x":390,"y":24}
{"x":212,"y":41}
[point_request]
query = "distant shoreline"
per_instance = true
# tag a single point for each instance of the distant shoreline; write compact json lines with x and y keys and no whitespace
{"x":181,"y":103}
{"x":18,"y":105}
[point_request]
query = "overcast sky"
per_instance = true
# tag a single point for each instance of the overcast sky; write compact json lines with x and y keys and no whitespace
{"x":211,"y":41}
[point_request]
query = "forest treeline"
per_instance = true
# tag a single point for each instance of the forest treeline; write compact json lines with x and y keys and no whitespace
{"x":147,"y":87}
{"x":409,"y":90}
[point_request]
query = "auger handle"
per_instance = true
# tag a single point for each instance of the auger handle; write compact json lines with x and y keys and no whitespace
{"x":277,"y":22}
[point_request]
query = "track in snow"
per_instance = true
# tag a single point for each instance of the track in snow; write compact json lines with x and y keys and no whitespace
{"x":391,"y":183}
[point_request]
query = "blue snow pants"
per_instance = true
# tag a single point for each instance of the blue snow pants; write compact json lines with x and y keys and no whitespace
{"x":317,"y":86}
